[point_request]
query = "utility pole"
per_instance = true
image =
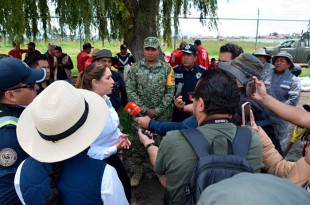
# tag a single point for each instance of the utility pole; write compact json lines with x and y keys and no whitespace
{"x":257,"y":29}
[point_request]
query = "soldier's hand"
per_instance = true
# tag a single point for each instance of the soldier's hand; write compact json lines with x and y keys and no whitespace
{"x":143,"y":121}
{"x":151,"y":113}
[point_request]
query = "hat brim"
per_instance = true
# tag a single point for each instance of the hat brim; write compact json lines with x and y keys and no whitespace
{"x":48,"y":151}
{"x":275,"y":58}
{"x":226,"y":66}
{"x":36,"y":76}
{"x":187,"y":51}
{"x":150,"y":46}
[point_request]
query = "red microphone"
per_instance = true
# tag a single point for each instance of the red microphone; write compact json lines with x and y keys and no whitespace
{"x":133,"y":109}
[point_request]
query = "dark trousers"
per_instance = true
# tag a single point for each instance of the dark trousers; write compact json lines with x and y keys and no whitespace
{"x":115,"y":162}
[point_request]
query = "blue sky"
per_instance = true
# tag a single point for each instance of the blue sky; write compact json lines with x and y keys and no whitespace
{"x":248,"y":9}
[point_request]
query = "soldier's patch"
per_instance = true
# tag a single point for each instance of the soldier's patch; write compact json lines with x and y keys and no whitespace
{"x":8,"y":157}
{"x":198,"y":75}
{"x":170,"y":79}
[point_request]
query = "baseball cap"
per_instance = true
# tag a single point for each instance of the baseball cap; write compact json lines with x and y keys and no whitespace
{"x":123,"y":47}
{"x":285,"y":55}
{"x":189,"y":48}
{"x":151,"y":42}
{"x":244,"y":67}
{"x":14,"y":71}
{"x":87,"y":45}
{"x":31,"y":44}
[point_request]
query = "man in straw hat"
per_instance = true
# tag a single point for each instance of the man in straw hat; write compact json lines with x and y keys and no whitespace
{"x":17,"y":89}
{"x":261,"y":54}
{"x":56,"y":136}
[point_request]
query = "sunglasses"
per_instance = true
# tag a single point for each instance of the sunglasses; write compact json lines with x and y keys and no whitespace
{"x":29,"y":86}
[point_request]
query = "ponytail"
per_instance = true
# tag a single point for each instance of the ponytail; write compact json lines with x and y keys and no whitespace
{"x":54,"y":176}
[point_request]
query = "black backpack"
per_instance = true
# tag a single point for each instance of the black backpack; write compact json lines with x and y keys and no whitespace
{"x":212,"y":168}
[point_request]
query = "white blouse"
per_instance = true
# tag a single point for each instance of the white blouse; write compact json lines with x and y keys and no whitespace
{"x":105,"y":145}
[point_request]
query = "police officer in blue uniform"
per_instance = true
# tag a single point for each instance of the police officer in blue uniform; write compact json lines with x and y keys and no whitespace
{"x":187,"y":74}
{"x":17,"y":89}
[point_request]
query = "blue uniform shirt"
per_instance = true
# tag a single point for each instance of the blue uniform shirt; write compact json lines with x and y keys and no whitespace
{"x":190,"y":79}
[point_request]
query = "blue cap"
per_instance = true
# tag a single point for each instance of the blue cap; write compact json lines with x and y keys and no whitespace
{"x":189,"y":48}
{"x":14,"y":71}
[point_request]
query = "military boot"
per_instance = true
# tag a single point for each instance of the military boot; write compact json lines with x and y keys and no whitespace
{"x":135,"y":179}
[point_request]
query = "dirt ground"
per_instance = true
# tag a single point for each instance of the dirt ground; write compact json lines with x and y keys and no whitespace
{"x":150,"y":191}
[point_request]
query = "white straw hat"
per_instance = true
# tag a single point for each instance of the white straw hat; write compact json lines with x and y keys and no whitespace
{"x":260,"y":52}
{"x":61,"y":122}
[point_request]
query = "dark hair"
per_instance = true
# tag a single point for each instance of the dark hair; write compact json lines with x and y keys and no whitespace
{"x":234,"y":49}
{"x":14,"y":43}
{"x":93,"y":71}
{"x":54,"y":176}
{"x":58,"y":48}
{"x":33,"y":60}
{"x":219,"y":91}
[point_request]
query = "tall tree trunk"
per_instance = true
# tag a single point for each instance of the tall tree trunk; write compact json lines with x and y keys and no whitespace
{"x":144,"y":16}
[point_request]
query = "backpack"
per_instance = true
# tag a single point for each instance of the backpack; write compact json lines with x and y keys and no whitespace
{"x":212,"y":168}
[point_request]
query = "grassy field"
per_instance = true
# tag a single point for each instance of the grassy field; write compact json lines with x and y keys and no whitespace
{"x":72,"y":48}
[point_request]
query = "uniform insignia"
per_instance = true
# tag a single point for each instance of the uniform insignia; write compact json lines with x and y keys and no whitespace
{"x":8,"y":157}
{"x":198,"y":75}
{"x":178,"y":75}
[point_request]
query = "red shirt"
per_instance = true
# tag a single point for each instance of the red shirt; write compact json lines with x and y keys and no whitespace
{"x":17,"y":54}
{"x":203,"y":57}
{"x":89,"y":61}
{"x":176,"y":58}
{"x":81,"y":59}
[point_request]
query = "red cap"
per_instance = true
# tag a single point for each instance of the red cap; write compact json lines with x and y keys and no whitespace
{"x":133,"y":109}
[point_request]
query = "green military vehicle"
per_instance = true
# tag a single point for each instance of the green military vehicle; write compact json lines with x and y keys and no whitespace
{"x":299,"y":49}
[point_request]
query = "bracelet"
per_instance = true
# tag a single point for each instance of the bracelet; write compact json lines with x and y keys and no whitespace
{"x":149,"y":145}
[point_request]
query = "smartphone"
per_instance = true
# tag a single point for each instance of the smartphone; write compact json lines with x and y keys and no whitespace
{"x":246,"y":108}
{"x":178,"y":92}
{"x":250,"y":88}
{"x":136,"y":128}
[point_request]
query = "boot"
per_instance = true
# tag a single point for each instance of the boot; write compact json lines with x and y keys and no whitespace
{"x":135,"y":179}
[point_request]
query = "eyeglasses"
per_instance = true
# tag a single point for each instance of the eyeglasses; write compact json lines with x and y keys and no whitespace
{"x":29,"y":86}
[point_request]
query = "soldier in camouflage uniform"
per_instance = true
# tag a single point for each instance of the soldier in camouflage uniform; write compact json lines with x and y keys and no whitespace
{"x":150,"y":84}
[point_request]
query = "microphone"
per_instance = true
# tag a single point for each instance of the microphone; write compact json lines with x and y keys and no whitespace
{"x":133,"y":109}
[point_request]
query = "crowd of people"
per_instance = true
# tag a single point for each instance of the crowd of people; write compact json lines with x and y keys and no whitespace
{"x":60,"y":143}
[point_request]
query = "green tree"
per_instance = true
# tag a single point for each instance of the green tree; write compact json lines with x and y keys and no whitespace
{"x":130,"y":20}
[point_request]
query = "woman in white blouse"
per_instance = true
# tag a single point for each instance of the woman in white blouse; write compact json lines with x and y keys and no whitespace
{"x":98,"y":78}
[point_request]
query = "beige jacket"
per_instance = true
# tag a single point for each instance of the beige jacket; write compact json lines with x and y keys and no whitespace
{"x":297,"y":172}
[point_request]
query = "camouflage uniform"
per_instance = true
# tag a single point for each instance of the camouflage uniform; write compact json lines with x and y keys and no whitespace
{"x":150,"y":87}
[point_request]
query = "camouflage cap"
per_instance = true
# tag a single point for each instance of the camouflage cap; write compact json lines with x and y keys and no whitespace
{"x":244,"y":67}
{"x":151,"y":42}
